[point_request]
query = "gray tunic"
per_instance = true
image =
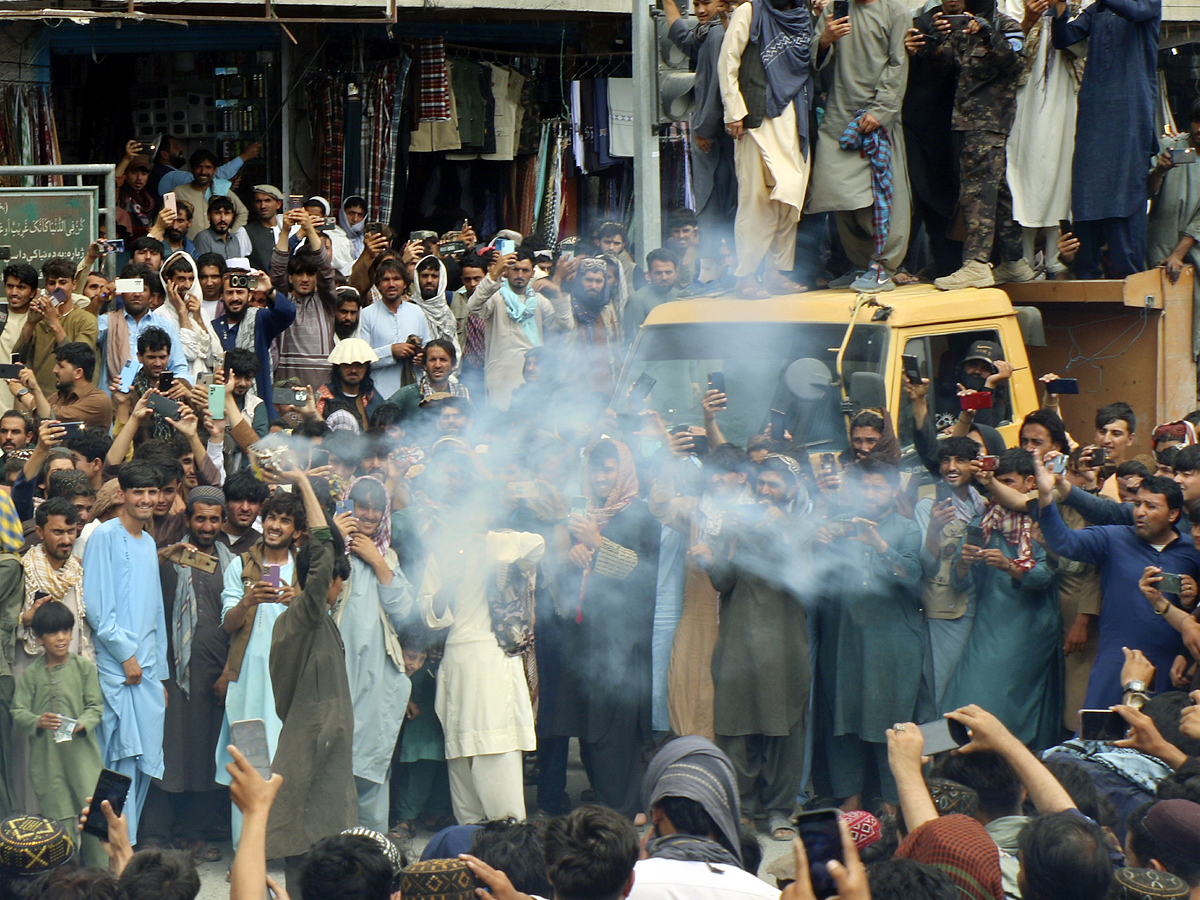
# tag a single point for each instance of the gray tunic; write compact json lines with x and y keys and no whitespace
{"x":870,"y":72}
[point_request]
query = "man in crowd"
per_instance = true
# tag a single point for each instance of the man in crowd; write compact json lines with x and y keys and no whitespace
{"x":1115,"y":131}
{"x":346,"y":313}
{"x":20,"y":286}
{"x":51,"y":322}
{"x":169,"y":173}
{"x":388,"y":326}
{"x":662,"y":270}
{"x":471,"y":327}
{"x":872,"y":638}
{"x":244,"y":497}
{"x":210,"y":275}
{"x":188,"y":804}
{"x":147,"y":251}
{"x":124,"y":604}
{"x":203,"y":187}
{"x":440,"y":359}
{"x":1123,"y":552}
{"x":985,"y":105}
{"x":253,"y":328}
{"x":306,"y":278}
{"x":350,"y":386}
{"x":593,"y":340}
{"x":1116,"y":432}
{"x":76,"y":398}
{"x":870,"y":68}
{"x":219,"y":237}
{"x":264,"y":225}
{"x":173,"y":231}
{"x":241,"y":369}
{"x":119,"y":330}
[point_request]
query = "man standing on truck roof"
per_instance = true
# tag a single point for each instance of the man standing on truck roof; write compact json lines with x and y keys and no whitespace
{"x":870,"y":69}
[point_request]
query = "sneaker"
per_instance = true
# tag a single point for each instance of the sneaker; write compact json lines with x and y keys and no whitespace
{"x":872,"y":281}
{"x":846,"y":280}
{"x":1015,"y":271}
{"x":973,"y":274}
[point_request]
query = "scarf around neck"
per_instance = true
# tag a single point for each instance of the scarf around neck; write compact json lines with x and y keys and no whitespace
{"x":689,"y":848}
{"x":783,"y":37}
{"x":521,"y":310}
{"x":1017,"y":530}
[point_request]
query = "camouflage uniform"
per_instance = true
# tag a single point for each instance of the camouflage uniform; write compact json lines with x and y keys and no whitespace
{"x":985,"y":104}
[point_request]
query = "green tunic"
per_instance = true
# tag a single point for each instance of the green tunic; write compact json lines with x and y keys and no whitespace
{"x":65,"y":774}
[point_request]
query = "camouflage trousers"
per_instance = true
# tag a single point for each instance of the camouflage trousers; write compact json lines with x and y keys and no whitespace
{"x":986,"y":200}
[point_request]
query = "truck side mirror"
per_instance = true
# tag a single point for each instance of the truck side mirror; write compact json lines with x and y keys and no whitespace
{"x":1029,"y":320}
{"x":867,"y":390}
{"x":808,"y":379}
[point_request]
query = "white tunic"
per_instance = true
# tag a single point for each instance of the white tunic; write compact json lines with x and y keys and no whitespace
{"x":482,"y":697}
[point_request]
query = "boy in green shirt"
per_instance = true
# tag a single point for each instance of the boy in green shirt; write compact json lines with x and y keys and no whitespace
{"x":64,"y":760}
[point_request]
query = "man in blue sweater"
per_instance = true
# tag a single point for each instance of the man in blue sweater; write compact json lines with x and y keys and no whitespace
{"x":1123,"y":552}
{"x":253,"y":327}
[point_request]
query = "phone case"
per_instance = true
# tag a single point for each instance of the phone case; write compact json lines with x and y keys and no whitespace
{"x":216,"y":401}
{"x":197,"y":560}
{"x":164,"y":406}
{"x":128,"y":373}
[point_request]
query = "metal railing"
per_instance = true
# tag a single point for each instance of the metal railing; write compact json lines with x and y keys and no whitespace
{"x":108,"y":170}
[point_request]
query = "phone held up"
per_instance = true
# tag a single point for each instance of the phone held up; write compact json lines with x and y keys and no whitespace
{"x":822,"y":839}
{"x":113,"y":787}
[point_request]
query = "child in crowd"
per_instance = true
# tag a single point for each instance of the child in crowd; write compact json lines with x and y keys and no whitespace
{"x":420,"y":780}
{"x":61,"y":688}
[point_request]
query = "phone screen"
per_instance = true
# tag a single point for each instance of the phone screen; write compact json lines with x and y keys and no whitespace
{"x":822,"y":841}
{"x":1101,"y":725}
{"x":113,"y":787}
{"x":641,"y":388}
{"x":942,"y":735}
{"x":250,"y":737}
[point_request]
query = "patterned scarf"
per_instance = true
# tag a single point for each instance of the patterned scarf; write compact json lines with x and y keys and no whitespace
{"x":782,"y":36}
{"x":433,"y":103}
{"x":455,"y":389}
{"x":40,"y":576}
{"x":186,"y":613}
{"x":12,"y":535}
{"x":521,"y":310}
{"x":1017,"y":530}
{"x":382,"y":536}
{"x":876,"y":148}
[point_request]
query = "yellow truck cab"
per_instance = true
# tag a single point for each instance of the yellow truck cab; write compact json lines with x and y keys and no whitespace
{"x":819,"y":357}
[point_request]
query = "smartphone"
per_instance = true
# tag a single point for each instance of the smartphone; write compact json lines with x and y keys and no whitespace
{"x":988,"y":463}
{"x":38,"y":595}
{"x":128,"y":372}
{"x":1101,"y":725}
{"x":841,"y":9}
{"x":110,"y":786}
{"x":289,"y":396}
{"x":525,"y":490}
{"x":828,"y":463}
{"x":342,"y":507}
{"x":169,"y":204}
{"x":164,"y":406}
{"x":912,"y":368}
{"x":716,"y":381}
{"x":958,"y":23}
{"x":198,"y":560}
{"x":944,"y":734}
{"x":250,"y":737}
{"x":1063,"y":386}
{"x":117,"y":246}
{"x":166,"y":380}
{"x":841,"y":528}
{"x":72,"y":429}
{"x":822,"y":839}
{"x":1170,"y":583}
{"x":1183,"y":157}
{"x":978,"y":400}
{"x":270,"y":574}
{"x":1099,"y":457}
{"x":505,"y":246}
{"x":1065,"y":227}
{"x":294,"y":200}
{"x":452,"y":248}
{"x":1057,"y":465}
{"x":974,"y":536}
{"x":641,"y":388}
{"x":318,"y":458}
{"x":778,"y":417}
{"x":579,"y":506}
{"x":130,"y":285}
{"x":216,"y":401}
{"x":204,"y":379}
{"x":569,"y":253}
{"x":373,"y":228}
{"x":12,"y":371}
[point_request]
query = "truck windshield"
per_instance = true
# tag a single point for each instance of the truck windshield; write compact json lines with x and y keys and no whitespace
{"x":752,"y":357}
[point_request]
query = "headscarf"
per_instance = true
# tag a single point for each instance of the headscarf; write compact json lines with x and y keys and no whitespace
{"x":802,"y":502}
{"x":382,"y":535}
{"x":1179,"y":430}
{"x":437,"y":311}
{"x":585,"y":309}
{"x":353,"y":232}
{"x":624,"y":492}
{"x":993,"y":440}
{"x":695,"y":768}
{"x":1017,"y":530}
{"x":782,"y":36}
{"x":888,"y":446}
{"x":521,"y":309}
{"x":960,"y":847}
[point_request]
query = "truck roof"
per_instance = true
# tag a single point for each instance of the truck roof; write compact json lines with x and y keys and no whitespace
{"x":916,"y":304}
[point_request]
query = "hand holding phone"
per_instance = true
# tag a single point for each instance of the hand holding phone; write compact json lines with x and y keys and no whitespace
{"x":822,"y":838}
{"x":250,"y":738}
{"x":113,"y":787}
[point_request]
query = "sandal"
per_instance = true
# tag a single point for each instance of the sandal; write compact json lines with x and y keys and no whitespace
{"x":785,"y":285}
{"x":905,"y":278}
{"x":405,"y":829}
{"x":781,"y":829}
{"x":753,"y":293}
{"x":207,"y":853}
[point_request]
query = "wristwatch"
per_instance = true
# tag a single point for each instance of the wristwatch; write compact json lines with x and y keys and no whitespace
{"x":1135,"y":687}
{"x":22,"y":392}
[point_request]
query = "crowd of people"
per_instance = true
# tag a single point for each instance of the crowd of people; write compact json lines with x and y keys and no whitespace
{"x":368,"y":498}
{"x":976,"y":142}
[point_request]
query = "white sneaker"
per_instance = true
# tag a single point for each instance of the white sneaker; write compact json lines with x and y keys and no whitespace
{"x":1015,"y":271}
{"x":973,"y":274}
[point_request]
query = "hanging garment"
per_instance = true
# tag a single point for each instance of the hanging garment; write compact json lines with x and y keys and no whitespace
{"x":620,"y":116}
{"x":435,"y":137}
{"x":506,"y":90}
{"x":433,"y":102}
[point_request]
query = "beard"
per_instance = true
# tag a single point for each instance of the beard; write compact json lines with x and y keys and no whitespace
{"x":345,"y":331}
